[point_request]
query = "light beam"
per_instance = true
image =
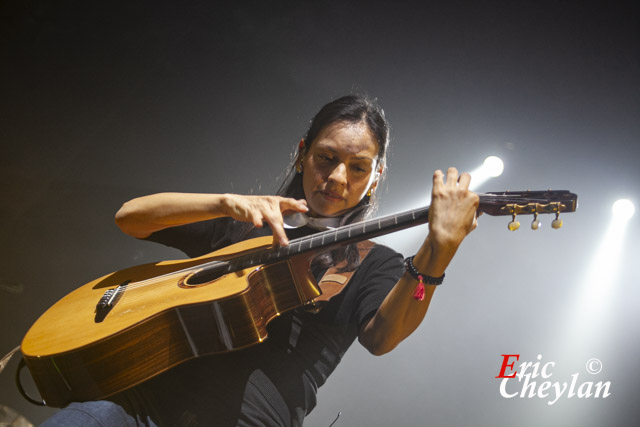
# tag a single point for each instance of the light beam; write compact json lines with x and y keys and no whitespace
{"x":588,"y":318}
{"x":492,"y":167}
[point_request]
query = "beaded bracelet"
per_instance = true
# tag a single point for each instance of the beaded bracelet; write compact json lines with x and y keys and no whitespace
{"x":418,"y":294}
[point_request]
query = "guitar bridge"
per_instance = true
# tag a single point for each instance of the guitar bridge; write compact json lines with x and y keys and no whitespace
{"x":108,"y":300}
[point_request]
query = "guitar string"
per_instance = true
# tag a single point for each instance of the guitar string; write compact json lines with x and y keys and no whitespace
{"x":157,"y":281}
{"x":242,"y":262}
{"x":139,"y":289}
{"x":152,"y":283}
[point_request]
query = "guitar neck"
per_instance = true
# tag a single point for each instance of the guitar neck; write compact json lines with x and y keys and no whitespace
{"x":363,"y":230}
{"x":499,"y":203}
{"x":332,"y":238}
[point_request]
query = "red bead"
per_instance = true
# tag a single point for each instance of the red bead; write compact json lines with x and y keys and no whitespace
{"x":418,"y":294}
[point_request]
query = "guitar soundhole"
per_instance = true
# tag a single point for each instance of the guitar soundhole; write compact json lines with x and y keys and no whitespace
{"x":203,"y":277}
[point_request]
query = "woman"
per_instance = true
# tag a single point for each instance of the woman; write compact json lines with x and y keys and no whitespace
{"x":332,"y":180}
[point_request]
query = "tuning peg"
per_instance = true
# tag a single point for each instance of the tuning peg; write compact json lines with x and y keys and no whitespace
{"x":556,"y":223}
{"x":535,"y":224}
{"x":513,"y":225}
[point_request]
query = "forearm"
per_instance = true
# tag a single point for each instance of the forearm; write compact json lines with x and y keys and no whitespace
{"x":400,"y":313}
{"x":452,"y":216}
{"x":144,"y":215}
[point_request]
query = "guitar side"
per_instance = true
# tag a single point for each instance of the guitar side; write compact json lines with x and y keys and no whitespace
{"x":75,"y":356}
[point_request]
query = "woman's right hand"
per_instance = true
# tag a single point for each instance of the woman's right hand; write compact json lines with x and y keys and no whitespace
{"x":145,"y":215}
{"x":261,"y":209}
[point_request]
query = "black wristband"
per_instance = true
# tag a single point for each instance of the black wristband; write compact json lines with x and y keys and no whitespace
{"x":413,"y":271}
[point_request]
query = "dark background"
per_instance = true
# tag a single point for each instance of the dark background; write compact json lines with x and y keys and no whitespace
{"x":104,"y":101}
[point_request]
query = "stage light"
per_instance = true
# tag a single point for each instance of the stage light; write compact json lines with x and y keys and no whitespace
{"x":588,"y":319}
{"x":623,"y":209}
{"x":490,"y":168}
{"x":493,"y":166}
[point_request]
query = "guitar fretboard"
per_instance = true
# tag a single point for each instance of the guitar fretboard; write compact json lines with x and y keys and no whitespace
{"x":336,"y":237}
{"x":324,"y":240}
{"x":490,"y":203}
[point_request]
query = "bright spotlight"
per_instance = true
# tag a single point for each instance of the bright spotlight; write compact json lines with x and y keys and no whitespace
{"x":493,"y":166}
{"x":592,"y":304}
{"x":623,"y":209}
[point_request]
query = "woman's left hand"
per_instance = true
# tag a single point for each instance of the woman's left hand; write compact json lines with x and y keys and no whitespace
{"x":452,"y":214}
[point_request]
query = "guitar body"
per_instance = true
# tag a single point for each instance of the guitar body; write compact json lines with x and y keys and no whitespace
{"x":76,"y":352}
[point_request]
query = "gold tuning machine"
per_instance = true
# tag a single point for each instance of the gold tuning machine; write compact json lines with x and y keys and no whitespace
{"x":535,"y":224}
{"x":513,"y":225}
{"x":556,"y":223}
{"x":514,"y":209}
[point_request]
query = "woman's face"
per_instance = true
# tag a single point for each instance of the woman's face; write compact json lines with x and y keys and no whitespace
{"x":339,"y":168}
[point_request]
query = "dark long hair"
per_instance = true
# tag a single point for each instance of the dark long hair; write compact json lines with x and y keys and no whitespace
{"x":350,"y":109}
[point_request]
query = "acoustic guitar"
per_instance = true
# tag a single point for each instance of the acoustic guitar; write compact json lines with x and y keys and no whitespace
{"x":133,"y":324}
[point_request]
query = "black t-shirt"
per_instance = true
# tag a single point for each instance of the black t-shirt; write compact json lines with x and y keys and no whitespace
{"x":302,"y":349}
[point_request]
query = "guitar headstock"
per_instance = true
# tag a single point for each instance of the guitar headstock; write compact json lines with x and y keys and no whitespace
{"x":515,"y":203}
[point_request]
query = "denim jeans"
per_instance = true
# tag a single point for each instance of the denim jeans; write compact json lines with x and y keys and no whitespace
{"x":258,"y":404}
{"x":101,"y":413}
